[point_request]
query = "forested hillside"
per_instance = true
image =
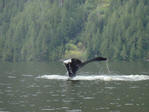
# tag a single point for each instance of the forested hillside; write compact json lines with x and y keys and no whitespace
{"x":47,"y":30}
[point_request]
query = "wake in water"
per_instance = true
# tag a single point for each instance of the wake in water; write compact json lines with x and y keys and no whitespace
{"x":99,"y":77}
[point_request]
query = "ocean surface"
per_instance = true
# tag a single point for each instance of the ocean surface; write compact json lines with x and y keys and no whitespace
{"x":98,"y":87}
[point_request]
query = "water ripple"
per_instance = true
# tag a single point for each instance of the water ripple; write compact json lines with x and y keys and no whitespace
{"x":74,"y":110}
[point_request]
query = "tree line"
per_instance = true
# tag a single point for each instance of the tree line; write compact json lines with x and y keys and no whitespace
{"x":48,"y":30}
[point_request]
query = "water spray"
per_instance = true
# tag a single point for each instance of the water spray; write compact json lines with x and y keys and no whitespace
{"x":107,"y":65}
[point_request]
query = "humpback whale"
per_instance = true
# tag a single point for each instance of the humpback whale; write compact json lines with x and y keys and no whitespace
{"x":72,"y":65}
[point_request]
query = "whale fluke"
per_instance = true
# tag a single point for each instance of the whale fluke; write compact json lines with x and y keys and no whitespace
{"x":72,"y":65}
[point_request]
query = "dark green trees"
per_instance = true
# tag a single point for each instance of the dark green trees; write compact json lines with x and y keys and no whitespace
{"x":119,"y":31}
{"x":42,"y":30}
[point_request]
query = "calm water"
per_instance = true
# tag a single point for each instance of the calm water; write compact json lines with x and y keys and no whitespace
{"x":44,"y":87}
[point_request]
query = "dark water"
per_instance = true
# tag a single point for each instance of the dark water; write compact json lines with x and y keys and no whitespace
{"x":44,"y":87}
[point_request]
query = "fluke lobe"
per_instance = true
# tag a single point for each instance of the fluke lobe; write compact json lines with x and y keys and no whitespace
{"x":72,"y":65}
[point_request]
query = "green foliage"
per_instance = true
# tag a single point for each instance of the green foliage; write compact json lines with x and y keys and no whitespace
{"x":47,"y":30}
{"x":75,"y":50}
{"x":118,"y":31}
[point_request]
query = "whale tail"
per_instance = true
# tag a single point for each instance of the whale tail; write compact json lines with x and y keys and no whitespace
{"x":73,"y":65}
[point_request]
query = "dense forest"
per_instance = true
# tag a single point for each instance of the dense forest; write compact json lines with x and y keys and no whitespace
{"x":48,"y":30}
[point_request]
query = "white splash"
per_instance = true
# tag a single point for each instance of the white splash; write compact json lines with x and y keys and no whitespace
{"x":99,"y":77}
